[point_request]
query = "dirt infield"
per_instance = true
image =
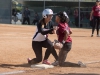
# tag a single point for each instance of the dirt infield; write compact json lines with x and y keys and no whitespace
{"x":15,"y":48}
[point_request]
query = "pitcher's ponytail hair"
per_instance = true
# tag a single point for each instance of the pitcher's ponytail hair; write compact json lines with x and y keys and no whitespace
{"x":42,"y":21}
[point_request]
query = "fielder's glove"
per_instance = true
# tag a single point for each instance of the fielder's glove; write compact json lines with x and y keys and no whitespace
{"x":57,"y":44}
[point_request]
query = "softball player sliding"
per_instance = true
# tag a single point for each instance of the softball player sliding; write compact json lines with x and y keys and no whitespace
{"x":63,"y":33}
{"x":40,"y":39}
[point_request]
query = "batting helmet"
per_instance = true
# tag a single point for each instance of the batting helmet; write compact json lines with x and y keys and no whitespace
{"x":47,"y":12}
{"x":97,"y":0}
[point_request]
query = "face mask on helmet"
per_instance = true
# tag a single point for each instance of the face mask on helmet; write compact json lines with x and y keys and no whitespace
{"x":47,"y":12}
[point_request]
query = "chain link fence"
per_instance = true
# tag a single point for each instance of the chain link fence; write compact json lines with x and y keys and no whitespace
{"x":5,"y":11}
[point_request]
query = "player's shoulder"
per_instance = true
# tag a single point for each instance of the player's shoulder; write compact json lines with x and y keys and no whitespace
{"x":61,"y":25}
{"x":66,"y":24}
{"x":94,"y":6}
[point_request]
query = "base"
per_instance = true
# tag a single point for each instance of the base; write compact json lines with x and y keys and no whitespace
{"x":42,"y":66}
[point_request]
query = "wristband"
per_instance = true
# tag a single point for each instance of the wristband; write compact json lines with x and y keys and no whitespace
{"x":63,"y":41}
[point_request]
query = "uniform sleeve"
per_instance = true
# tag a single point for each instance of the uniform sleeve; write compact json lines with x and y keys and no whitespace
{"x":61,"y":28}
{"x":51,"y":26}
{"x":39,"y":26}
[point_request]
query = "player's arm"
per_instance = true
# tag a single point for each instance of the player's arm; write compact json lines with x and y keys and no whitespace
{"x":66,"y":35}
{"x":91,"y":15}
{"x":67,"y":32}
{"x":52,"y":26}
{"x":40,"y":29}
{"x":70,"y":31}
{"x":60,"y":45}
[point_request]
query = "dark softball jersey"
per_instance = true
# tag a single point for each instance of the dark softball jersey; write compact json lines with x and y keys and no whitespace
{"x":61,"y":28}
{"x":42,"y":31}
{"x":96,"y":10}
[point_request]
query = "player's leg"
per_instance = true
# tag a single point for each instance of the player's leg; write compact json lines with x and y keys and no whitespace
{"x":63,"y":53}
{"x":98,"y":23}
{"x":24,"y":19}
{"x":76,"y":21}
{"x":37,"y":47}
{"x":93,"y":27}
{"x":28,"y":20}
{"x":50,"y":49}
{"x":33,"y":22}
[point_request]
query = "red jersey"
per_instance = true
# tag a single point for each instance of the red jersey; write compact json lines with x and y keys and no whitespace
{"x":96,"y":10}
{"x":61,"y":28}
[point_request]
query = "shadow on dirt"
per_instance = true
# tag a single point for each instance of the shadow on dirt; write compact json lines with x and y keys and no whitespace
{"x":80,"y":36}
{"x":66,"y":64}
{"x":74,"y":74}
{"x":13,"y":65}
{"x":70,"y":64}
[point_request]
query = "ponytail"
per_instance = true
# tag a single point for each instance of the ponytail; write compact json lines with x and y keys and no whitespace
{"x":42,"y":21}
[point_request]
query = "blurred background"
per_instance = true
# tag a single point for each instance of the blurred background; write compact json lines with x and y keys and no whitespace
{"x":12,"y":10}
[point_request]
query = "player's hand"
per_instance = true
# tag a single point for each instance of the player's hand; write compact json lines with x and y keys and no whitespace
{"x":57,"y":44}
{"x":70,"y":32}
{"x":90,"y":18}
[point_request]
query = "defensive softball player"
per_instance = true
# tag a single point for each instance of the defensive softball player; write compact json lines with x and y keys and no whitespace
{"x":40,"y":39}
{"x":64,"y":38}
{"x":96,"y":17}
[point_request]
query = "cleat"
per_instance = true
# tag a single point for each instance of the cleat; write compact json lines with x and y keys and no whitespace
{"x":46,"y":62}
{"x":98,"y":35}
{"x":31,"y":61}
{"x":55,"y":63}
{"x":81,"y":64}
{"x":92,"y":35}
